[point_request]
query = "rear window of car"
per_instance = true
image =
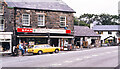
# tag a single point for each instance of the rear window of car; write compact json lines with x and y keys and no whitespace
{"x":36,"y":47}
{"x":47,"y":45}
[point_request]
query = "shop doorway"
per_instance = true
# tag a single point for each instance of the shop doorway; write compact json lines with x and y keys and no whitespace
{"x":92,"y":41}
{"x":4,"y":46}
{"x":54,"y":42}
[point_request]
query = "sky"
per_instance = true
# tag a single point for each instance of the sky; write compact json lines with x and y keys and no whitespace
{"x":93,"y":6}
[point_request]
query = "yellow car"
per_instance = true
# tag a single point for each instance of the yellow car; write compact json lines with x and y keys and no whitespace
{"x":40,"y":49}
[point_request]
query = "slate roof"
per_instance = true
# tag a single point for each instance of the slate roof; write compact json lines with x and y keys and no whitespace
{"x":84,"y":31}
{"x":106,"y":27}
{"x":54,"y":5}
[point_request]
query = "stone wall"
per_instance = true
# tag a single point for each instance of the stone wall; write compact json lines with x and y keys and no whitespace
{"x":8,"y":18}
{"x":52,"y":19}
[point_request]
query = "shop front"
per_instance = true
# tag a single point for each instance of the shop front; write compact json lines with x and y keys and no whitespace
{"x":54,"y":37}
{"x":6,"y":42}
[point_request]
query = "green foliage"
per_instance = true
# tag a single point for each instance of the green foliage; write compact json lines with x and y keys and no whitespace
{"x":80,"y":23}
{"x":104,"y":19}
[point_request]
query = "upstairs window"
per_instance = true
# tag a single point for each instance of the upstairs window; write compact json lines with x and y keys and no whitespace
{"x":1,"y":24}
{"x":26,"y":20}
{"x":109,"y":32}
{"x":63,"y":21}
{"x":41,"y":20}
{"x":100,"y":32}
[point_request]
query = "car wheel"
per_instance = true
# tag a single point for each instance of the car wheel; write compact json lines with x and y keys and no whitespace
{"x":56,"y":51}
{"x":40,"y":52}
{"x":51,"y":52}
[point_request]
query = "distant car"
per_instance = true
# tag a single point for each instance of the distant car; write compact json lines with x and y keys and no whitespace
{"x":40,"y":49}
{"x":104,"y":45}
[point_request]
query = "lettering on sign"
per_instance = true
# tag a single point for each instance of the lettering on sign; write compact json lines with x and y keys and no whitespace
{"x":24,"y":30}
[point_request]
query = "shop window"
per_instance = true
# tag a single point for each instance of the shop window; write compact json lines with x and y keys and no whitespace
{"x":100,"y":32}
{"x":63,"y":21}
{"x":41,"y":20}
{"x":109,"y":32}
{"x":4,"y":46}
{"x":1,"y":24}
{"x":26,"y":20}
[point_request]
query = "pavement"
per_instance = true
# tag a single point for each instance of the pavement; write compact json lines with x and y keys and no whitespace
{"x":95,"y":57}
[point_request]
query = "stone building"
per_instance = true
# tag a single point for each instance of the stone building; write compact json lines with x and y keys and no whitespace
{"x":85,"y":37}
{"x":36,"y":22}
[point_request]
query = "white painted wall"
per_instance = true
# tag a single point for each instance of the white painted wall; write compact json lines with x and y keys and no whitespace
{"x":105,"y":35}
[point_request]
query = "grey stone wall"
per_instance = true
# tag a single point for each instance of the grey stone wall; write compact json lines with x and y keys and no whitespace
{"x":8,"y":17}
{"x":52,"y":19}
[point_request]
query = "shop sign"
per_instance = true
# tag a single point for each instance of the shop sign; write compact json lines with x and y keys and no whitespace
{"x":68,"y":31}
{"x":51,"y":31}
{"x":43,"y":30}
{"x":24,"y":30}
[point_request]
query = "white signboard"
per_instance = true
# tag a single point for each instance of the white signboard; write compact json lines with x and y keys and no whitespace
{"x":48,"y":31}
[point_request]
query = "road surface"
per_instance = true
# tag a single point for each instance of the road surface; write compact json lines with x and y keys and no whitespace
{"x":96,"y":57}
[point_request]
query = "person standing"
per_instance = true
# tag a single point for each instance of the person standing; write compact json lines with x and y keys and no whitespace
{"x":21,"y":48}
{"x":81,"y":43}
{"x":24,"y":46}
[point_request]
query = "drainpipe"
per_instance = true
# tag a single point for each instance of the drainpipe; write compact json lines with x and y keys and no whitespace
{"x":14,"y":29}
{"x":48,"y":38}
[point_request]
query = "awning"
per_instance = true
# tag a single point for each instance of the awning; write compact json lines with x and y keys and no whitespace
{"x":31,"y":36}
{"x":61,"y":37}
{"x":46,"y":36}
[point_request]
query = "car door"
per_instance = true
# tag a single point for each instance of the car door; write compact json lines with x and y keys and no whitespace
{"x":50,"y":48}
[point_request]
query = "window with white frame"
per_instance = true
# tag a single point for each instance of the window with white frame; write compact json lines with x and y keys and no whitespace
{"x":63,"y":21}
{"x":26,"y":19}
{"x":41,"y":20}
{"x":1,"y":23}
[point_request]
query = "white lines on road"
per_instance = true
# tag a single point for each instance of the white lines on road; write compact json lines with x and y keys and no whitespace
{"x":79,"y":59}
{"x":56,"y":64}
{"x":94,"y":55}
{"x":87,"y":57}
{"x":68,"y":61}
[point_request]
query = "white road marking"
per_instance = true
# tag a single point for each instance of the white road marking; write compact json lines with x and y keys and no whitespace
{"x":56,"y":64}
{"x":108,"y":52}
{"x":79,"y":59}
{"x":95,"y":55}
{"x":68,"y":61}
{"x":87,"y":57}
